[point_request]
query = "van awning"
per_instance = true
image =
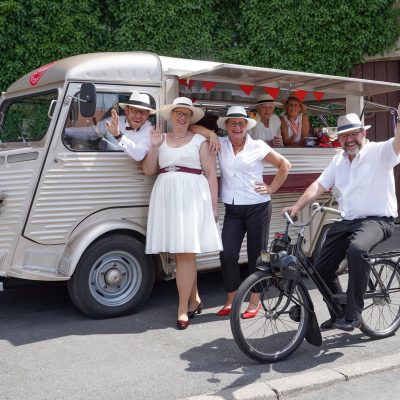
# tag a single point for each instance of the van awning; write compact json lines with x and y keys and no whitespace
{"x":290,"y":80}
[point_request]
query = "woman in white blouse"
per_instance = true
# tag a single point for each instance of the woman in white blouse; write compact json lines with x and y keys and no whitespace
{"x":247,"y":199}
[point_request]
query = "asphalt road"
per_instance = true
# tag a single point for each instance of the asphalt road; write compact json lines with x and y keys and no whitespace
{"x":49,"y":350}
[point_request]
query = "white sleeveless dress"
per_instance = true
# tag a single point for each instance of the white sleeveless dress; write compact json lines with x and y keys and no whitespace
{"x":181,"y":218}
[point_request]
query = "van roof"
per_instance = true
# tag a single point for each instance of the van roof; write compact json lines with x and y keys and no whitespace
{"x":149,"y":68}
{"x":122,"y":67}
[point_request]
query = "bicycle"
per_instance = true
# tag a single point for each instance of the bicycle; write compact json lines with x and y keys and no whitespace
{"x":287,"y":316}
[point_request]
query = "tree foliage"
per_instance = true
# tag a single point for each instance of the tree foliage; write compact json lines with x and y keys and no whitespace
{"x":327,"y":36}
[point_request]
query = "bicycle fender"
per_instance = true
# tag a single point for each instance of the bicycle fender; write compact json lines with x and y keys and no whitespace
{"x":313,"y":334}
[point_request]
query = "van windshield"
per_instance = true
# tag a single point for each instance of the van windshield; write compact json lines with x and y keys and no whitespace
{"x":24,"y":121}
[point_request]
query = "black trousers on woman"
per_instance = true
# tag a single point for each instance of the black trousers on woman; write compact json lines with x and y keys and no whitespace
{"x":252,"y":219}
{"x":354,"y":238}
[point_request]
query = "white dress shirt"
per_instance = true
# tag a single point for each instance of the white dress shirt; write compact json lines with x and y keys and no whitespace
{"x":260,"y":131}
{"x":240,"y":172}
{"x":136,"y":143}
{"x":367,"y":183}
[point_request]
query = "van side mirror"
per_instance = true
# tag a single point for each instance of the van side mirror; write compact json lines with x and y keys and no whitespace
{"x":87,"y":96}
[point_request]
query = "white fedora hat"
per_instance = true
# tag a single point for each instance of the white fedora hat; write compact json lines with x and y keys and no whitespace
{"x":182,"y":102}
{"x":236,"y":112}
{"x":350,"y":122}
{"x":266,"y":99}
{"x":139,"y":100}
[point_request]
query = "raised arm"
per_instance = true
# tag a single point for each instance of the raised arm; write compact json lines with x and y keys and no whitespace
{"x":207,"y":160}
{"x":150,"y":162}
{"x":396,"y":141}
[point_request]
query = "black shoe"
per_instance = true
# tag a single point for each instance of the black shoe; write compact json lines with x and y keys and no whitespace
{"x":346,"y":325}
{"x":328,"y":324}
{"x":198,"y":310}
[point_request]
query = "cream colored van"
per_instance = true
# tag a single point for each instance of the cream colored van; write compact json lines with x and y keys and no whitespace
{"x":73,"y":209}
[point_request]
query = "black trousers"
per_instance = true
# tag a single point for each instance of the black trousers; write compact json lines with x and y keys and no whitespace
{"x":241,"y":219}
{"x":356,"y":238}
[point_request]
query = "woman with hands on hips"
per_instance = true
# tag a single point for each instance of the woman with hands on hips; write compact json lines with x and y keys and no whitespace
{"x":183,"y":206}
{"x":247,"y":199}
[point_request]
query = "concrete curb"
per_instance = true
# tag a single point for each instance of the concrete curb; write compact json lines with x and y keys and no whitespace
{"x":304,"y":382}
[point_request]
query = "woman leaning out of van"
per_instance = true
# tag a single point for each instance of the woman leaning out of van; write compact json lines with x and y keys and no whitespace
{"x":247,"y":200}
{"x":183,"y":203}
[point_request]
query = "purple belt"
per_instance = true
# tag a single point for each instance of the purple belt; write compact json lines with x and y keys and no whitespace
{"x":181,"y":169}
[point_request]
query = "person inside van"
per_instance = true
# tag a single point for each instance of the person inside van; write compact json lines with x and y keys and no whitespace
{"x":132,"y":130}
{"x":183,"y":203}
{"x":129,"y":132}
{"x":295,"y":124}
{"x":268,"y":126}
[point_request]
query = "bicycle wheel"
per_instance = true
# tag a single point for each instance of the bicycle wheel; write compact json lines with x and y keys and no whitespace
{"x":381,"y":314}
{"x":281,"y":324}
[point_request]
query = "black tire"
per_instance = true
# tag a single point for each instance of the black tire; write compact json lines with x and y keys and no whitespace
{"x":277,"y":330}
{"x":381,"y":313}
{"x":113,"y":277}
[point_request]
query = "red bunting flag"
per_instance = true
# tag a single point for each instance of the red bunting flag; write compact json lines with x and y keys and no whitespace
{"x":318,"y":95}
{"x":186,"y":82}
{"x":247,"y":89}
{"x":208,"y":85}
{"x":272,"y":91}
{"x":300,"y":94}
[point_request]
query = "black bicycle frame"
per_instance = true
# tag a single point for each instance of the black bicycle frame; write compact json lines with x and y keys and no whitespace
{"x":333,"y":301}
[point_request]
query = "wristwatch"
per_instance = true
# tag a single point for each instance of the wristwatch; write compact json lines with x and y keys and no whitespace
{"x":119,"y":136}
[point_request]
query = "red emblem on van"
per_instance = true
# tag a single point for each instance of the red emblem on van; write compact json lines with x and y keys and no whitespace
{"x":35,"y":77}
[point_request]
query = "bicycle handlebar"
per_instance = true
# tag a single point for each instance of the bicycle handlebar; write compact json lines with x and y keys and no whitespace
{"x":316,"y":208}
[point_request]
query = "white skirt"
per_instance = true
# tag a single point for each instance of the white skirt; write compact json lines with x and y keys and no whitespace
{"x":181,"y":218}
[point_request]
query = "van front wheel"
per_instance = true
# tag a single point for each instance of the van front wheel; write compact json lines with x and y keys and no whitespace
{"x":113,"y":277}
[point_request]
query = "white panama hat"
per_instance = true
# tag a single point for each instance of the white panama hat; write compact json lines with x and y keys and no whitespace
{"x":140,"y":101}
{"x":182,"y":102}
{"x":266,"y":99}
{"x":236,"y":112}
{"x":350,"y":122}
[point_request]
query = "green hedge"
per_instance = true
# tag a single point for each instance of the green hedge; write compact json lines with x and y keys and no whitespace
{"x":328,"y":36}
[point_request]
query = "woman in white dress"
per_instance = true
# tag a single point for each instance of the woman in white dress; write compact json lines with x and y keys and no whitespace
{"x":295,"y":124}
{"x":183,"y":204}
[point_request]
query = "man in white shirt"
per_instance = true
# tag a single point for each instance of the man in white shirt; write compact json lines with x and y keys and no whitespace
{"x":132,"y":131}
{"x":129,"y":132}
{"x":268,"y":126}
{"x":363,"y":172}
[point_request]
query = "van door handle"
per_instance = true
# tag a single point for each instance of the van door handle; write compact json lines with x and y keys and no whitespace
{"x":59,"y":158}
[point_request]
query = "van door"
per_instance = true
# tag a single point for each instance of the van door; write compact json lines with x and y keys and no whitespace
{"x":24,"y":137}
{"x":84,"y":172}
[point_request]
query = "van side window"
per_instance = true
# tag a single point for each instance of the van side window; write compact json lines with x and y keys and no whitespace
{"x":24,"y":121}
{"x":91,"y":134}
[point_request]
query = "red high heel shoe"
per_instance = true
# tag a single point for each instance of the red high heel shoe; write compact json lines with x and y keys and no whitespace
{"x":197,"y":310}
{"x":181,"y":325}
{"x":223,"y":311}
{"x":251,"y":314}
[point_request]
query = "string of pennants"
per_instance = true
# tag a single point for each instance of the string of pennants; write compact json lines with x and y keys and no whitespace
{"x":247,"y":89}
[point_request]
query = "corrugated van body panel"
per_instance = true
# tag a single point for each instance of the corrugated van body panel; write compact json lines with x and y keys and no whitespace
{"x":83,"y":184}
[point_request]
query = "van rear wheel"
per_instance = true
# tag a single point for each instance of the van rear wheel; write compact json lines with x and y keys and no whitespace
{"x":113,"y":277}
